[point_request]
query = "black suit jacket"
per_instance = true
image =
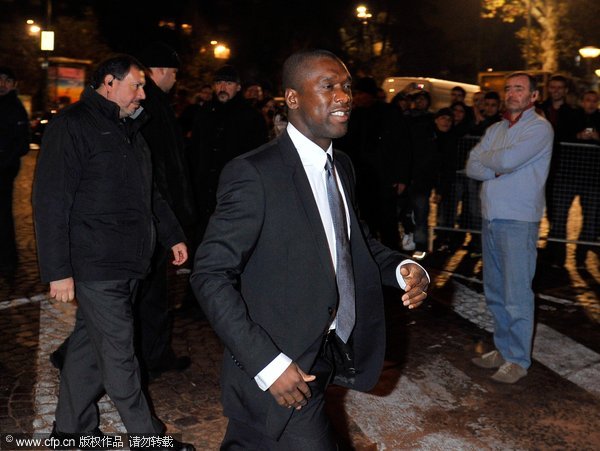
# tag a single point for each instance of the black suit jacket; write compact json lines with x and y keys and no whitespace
{"x":265,"y":279}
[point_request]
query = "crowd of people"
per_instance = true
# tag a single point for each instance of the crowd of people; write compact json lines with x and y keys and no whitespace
{"x":290,"y":238}
{"x":433,"y":145}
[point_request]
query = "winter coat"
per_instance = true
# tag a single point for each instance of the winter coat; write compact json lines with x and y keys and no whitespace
{"x":96,"y":208}
{"x":14,"y":130}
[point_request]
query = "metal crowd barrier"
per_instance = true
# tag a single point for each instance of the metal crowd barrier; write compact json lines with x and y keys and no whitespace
{"x":572,"y":212}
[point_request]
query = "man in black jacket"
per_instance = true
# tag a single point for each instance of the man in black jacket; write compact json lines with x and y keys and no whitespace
{"x":165,"y":139}
{"x":14,"y":143}
{"x":97,"y":215}
{"x":223,"y":128}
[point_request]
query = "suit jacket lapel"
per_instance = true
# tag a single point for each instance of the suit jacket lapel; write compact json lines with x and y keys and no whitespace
{"x":291,"y":158}
{"x":344,"y":173}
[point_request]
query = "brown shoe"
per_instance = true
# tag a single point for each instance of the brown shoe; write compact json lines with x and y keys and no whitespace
{"x":509,"y":373}
{"x":492,"y":359}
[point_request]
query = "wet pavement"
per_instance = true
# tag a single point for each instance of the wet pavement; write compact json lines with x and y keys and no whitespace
{"x":430,"y":397}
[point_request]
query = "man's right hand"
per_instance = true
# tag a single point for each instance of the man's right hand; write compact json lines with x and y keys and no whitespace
{"x":291,"y":388}
{"x":63,"y":290}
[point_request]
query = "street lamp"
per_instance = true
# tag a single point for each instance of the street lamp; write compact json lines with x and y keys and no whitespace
{"x":362,"y":12}
{"x":365,"y":47}
{"x":220,"y":50}
{"x":46,"y":46}
{"x":589,"y":53}
{"x":33,"y":29}
{"x":47,"y":41}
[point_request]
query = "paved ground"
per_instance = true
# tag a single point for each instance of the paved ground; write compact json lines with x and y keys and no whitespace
{"x":429,"y":397}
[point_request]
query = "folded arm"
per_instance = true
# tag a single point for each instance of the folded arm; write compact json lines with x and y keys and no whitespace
{"x":487,"y":162}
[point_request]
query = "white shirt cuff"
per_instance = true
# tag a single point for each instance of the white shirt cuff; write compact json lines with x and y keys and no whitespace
{"x":401,"y":281}
{"x":272,"y":371}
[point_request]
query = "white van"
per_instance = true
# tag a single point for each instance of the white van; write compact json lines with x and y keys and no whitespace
{"x":438,"y":89}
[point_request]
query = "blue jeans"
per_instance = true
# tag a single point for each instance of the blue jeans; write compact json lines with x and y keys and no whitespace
{"x":509,"y":259}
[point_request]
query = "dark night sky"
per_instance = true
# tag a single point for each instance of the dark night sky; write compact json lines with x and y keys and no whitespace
{"x":437,"y":38}
{"x":434,"y":38}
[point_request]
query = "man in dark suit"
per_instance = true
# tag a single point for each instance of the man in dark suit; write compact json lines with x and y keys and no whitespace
{"x":278,"y":277}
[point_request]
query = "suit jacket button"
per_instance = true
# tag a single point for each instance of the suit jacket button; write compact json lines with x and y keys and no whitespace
{"x":330,"y":310}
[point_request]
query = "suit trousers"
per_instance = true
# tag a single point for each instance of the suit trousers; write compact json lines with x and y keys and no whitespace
{"x":101,"y":357}
{"x":152,"y":313}
{"x":309,"y":428}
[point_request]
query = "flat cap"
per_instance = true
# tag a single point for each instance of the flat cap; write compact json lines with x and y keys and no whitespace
{"x":5,"y":70}
{"x":227,"y":73}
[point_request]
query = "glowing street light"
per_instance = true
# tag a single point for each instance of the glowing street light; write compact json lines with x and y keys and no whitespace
{"x":47,"y":41}
{"x":589,"y":52}
{"x":32,"y":27}
{"x":362,"y":12}
{"x":222,"y":52}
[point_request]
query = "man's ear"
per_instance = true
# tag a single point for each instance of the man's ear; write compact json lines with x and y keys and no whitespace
{"x":535,"y":95}
{"x":108,"y":79}
{"x":291,"y":98}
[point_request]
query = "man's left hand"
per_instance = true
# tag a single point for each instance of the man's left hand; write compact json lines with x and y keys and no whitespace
{"x":416,"y":285}
{"x":180,"y":254}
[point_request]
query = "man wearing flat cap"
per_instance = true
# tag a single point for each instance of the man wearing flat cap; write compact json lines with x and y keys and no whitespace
{"x":224,"y":128}
{"x":14,"y":143}
{"x":165,"y":139}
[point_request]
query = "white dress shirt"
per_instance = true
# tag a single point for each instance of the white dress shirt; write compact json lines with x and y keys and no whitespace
{"x":313,"y":160}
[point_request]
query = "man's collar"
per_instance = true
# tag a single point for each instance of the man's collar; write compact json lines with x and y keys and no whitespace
{"x":512,"y":122}
{"x":310,"y":153}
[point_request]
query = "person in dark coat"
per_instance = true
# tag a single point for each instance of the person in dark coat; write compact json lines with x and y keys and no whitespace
{"x":170,"y":172}
{"x":448,"y":186}
{"x":14,"y":143}
{"x":224,"y":128}
{"x":377,"y":142}
{"x":562,"y":116}
{"x":424,"y":173}
{"x":269,"y":272}
{"x":97,"y":215}
{"x":577,"y":175}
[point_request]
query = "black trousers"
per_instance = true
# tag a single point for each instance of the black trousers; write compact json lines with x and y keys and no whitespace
{"x":309,"y":429}
{"x":565,"y":191}
{"x":101,"y":357}
{"x":151,"y":308}
{"x":8,"y":248}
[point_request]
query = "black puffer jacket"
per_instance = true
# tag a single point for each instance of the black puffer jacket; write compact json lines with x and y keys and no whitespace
{"x":96,"y":208}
